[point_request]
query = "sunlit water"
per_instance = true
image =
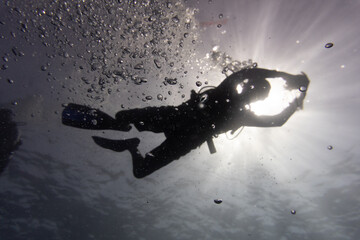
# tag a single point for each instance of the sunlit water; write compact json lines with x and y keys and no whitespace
{"x":299,"y":181}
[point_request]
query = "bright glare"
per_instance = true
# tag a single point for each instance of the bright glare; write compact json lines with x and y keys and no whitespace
{"x":278,"y":99}
{"x":239,"y":88}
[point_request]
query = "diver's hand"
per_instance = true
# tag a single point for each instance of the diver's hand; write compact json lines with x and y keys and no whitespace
{"x":304,"y":80}
{"x":297,"y":81}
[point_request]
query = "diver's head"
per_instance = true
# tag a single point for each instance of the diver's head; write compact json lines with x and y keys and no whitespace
{"x":260,"y":91}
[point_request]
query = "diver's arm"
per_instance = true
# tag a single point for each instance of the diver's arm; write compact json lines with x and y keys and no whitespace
{"x":296,"y":81}
{"x":251,"y":119}
{"x":257,"y":74}
{"x":292,"y":81}
{"x":253,"y":74}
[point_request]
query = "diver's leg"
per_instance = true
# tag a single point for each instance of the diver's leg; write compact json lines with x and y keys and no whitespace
{"x":117,"y":145}
{"x":171,"y":149}
{"x":155,"y":119}
{"x":159,"y":157}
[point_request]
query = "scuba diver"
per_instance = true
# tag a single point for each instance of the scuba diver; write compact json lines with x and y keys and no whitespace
{"x":218,"y":110}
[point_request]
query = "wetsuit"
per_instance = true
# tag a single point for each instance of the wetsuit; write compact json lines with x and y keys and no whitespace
{"x":192,"y":123}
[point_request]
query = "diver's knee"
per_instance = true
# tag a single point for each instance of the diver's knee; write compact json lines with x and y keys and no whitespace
{"x":119,"y":115}
{"x":139,"y":174}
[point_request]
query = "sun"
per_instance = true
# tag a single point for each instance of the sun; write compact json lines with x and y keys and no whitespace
{"x":278,"y":99}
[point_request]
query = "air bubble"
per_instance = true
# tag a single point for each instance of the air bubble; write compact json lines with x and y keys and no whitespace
{"x":15,"y":51}
{"x":198,"y":83}
{"x":160,"y":97}
{"x":221,"y":16}
{"x":152,"y":18}
{"x":157,"y":63}
{"x":139,"y":66}
{"x":293,"y":212}
{"x":10,"y":81}
{"x":218,"y":201}
{"x":302,"y":89}
{"x":149,"y":154}
{"x":175,"y":19}
{"x":203,"y":98}
{"x":225,"y":70}
{"x":171,"y":81}
{"x":128,"y":21}
{"x":43,"y":68}
{"x":329,"y":45}
{"x":330,"y":147}
{"x":219,"y":25}
{"x":95,"y":66}
{"x":148,"y":98}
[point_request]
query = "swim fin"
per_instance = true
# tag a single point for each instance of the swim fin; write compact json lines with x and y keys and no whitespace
{"x":117,"y":145}
{"x":84,"y":117}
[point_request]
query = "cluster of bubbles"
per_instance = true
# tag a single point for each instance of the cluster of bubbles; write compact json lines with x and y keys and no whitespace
{"x":104,"y":46}
{"x":106,"y":43}
{"x":227,"y":63}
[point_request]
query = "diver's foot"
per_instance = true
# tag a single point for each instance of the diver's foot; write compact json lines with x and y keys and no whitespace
{"x":124,"y":128}
{"x":81,"y":116}
{"x":117,"y":145}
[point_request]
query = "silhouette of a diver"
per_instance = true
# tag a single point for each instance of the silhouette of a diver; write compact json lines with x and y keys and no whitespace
{"x":192,"y":123}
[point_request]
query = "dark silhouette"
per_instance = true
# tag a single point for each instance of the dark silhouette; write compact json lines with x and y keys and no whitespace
{"x":9,"y":138}
{"x":192,"y":123}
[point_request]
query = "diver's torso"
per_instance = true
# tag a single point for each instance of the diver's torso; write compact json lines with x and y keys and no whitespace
{"x":213,"y":112}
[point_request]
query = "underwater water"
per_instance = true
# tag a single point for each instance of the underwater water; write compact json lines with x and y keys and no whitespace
{"x":298,"y":181}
